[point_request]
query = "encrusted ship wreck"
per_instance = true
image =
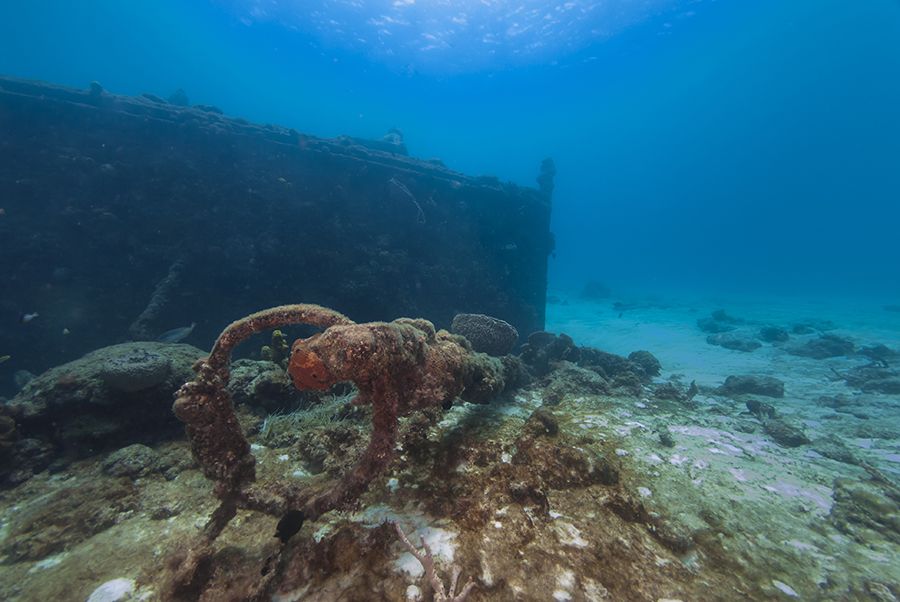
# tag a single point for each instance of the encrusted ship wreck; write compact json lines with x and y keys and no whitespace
{"x":125,"y":217}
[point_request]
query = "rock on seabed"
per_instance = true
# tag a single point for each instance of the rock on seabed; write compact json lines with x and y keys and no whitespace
{"x":116,"y":590}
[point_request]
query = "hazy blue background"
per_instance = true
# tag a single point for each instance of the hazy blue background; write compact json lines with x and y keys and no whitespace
{"x":727,"y":145}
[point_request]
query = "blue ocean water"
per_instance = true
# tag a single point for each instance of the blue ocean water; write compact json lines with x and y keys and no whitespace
{"x":711,"y":409}
{"x":720,"y":145}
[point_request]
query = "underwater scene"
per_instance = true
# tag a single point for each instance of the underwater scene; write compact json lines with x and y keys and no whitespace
{"x":436,"y":300}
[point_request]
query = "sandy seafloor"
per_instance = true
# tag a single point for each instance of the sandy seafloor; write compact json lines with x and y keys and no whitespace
{"x":788,"y":486}
{"x":668,"y":328}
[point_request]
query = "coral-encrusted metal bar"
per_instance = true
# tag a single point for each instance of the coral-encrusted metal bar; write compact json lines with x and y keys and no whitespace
{"x":397,"y":367}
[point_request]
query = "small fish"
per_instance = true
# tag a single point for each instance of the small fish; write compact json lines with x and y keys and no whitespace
{"x":176,"y":335}
{"x":66,"y":331}
{"x":26,"y":318}
{"x":3,"y":358}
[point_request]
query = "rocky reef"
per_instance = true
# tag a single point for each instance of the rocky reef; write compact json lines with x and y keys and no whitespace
{"x":109,"y":397}
{"x":576,"y":474}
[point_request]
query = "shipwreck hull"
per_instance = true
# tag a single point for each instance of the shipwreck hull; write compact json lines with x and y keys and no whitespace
{"x":124,"y":217}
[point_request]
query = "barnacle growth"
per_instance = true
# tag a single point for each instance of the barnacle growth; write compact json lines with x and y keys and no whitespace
{"x":397,"y":367}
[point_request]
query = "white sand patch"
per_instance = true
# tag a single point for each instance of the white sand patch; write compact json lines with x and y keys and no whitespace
{"x":47,"y":563}
{"x":593,"y":420}
{"x":820,"y":496}
{"x":439,"y":540}
{"x":678,"y":460}
{"x":801,"y":545}
{"x":487,"y":576}
{"x":113,"y":591}
{"x":569,"y":534}
{"x":409,"y":564}
{"x":784,"y":587}
{"x":565,"y":581}
{"x":416,"y":526}
{"x":653,"y":459}
{"x":594,"y":591}
{"x":739,"y":475}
